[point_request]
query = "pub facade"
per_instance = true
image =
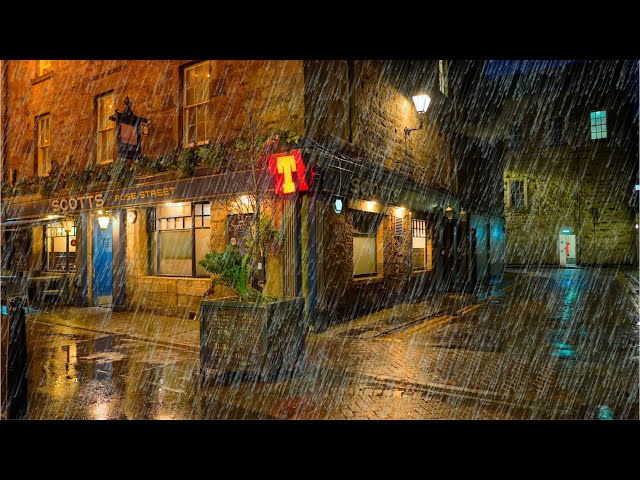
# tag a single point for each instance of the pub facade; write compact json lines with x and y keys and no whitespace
{"x":108,"y":208}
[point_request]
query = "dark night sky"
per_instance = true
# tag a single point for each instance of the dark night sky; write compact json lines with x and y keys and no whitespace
{"x":495,"y":69}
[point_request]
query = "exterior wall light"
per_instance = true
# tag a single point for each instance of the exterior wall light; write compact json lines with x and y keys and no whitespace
{"x":337,"y":205}
{"x":132,"y":216}
{"x":67,"y":224}
{"x":449,"y":211}
{"x":421,"y":102}
{"x":103,"y":220}
{"x":463,"y":215}
{"x":399,"y":212}
{"x":370,"y":205}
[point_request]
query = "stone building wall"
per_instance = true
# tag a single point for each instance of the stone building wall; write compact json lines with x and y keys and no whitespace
{"x":271,"y":91}
{"x":381,"y":107}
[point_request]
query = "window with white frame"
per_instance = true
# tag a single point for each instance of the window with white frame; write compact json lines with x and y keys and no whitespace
{"x":196,"y":101}
{"x":365,"y":233}
{"x":44,"y":67}
{"x":44,"y":145}
{"x":422,"y":247}
{"x":60,"y":248}
{"x":598,"y":125}
{"x":106,"y":129}
{"x":443,"y":71}
{"x":180,"y":238}
{"x":517,"y":193}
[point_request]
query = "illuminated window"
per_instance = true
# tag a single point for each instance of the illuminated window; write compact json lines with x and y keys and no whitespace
{"x":44,"y":66}
{"x":60,"y":248}
{"x":44,"y":145}
{"x":106,"y":129}
{"x":517,"y":195}
{"x":196,"y":101}
{"x":365,"y":233}
{"x":443,"y":70}
{"x":598,"y":125}
{"x":181,"y":234}
{"x":422,"y":246}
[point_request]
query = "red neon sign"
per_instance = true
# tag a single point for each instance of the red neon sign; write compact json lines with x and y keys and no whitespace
{"x":282,"y":166}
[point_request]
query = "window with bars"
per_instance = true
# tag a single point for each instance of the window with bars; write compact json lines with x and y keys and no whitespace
{"x":180,"y":238}
{"x":422,"y":248}
{"x":196,"y":101}
{"x":60,"y":248}
{"x":516,"y":137}
{"x":106,"y":129}
{"x":443,"y":75}
{"x":44,"y":145}
{"x":555,"y":127}
{"x":44,"y":67}
{"x":598,"y":125}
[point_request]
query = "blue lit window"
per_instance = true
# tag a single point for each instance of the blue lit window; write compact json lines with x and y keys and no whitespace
{"x":598,"y":125}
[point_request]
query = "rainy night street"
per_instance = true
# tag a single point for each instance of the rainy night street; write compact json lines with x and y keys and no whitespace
{"x":555,"y":343}
{"x":433,"y":239}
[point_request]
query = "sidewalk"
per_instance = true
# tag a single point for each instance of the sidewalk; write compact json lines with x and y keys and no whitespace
{"x":145,"y":326}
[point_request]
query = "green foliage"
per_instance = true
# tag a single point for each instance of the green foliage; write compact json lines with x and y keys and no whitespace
{"x":238,"y":153}
{"x":212,"y":157}
{"x":184,"y":162}
{"x":269,"y":237}
{"x":232,"y":270}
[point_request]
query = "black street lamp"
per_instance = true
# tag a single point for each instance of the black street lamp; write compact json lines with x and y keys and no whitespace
{"x":129,"y":130}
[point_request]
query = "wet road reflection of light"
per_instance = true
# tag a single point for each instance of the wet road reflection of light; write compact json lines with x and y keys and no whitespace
{"x":90,"y":375}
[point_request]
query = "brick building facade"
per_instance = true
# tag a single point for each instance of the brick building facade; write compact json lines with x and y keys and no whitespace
{"x":394,"y":237}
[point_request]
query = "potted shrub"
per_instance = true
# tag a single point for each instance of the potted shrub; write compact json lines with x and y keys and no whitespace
{"x":250,"y":333}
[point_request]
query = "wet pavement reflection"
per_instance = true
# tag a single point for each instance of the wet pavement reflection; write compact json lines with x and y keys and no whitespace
{"x":558,"y":343}
{"x":98,"y":376}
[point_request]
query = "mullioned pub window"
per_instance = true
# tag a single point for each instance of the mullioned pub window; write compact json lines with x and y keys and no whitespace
{"x":196,"y":101}
{"x":106,"y":129}
{"x":60,"y":248}
{"x":180,"y":238}
{"x":44,"y":145}
{"x":365,"y":232}
{"x":422,"y":246}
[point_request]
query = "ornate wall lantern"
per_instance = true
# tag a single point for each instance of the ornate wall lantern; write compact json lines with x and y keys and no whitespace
{"x":103,"y":220}
{"x":421,"y":102}
{"x":449,"y":211}
{"x":67,"y":224}
{"x":129,"y":130}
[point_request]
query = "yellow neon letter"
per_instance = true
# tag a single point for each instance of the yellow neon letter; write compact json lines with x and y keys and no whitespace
{"x":286,"y":165}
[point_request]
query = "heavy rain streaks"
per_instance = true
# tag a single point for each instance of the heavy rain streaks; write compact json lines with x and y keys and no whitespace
{"x":256,"y":239}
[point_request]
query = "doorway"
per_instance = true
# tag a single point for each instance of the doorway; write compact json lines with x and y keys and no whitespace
{"x":102,"y":265}
{"x":567,"y":250}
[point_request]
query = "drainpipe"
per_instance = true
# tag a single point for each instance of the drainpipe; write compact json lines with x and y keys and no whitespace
{"x":3,"y":119}
{"x":579,"y":243}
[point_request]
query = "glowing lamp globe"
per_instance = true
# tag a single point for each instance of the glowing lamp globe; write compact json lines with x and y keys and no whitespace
{"x":103,"y":221}
{"x":421,"y":102}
